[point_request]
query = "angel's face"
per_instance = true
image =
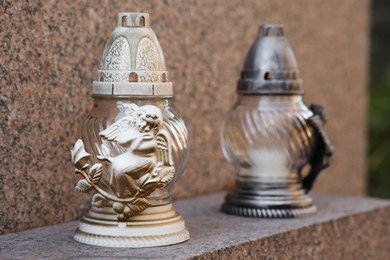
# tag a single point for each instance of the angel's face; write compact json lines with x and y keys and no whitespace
{"x":148,"y":123}
{"x":149,"y":119}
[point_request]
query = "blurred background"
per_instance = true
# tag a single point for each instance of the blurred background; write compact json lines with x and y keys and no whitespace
{"x":379,"y":106}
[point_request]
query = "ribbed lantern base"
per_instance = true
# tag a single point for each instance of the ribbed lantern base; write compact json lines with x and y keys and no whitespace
{"x":156,"y":226}
{"x":269,"y":202}
{"x":269,"y":212}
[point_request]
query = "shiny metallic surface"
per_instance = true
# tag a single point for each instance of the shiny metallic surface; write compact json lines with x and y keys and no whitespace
{"x":132,"y":145}
{"x":271,"y":136}
{"x":270,"y":67}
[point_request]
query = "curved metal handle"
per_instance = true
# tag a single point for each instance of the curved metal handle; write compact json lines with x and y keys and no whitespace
{"x":324,"y":149}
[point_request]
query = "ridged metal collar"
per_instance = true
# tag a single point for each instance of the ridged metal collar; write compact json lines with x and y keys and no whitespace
{"x":133,"y":62}
{"x":270,"y":66}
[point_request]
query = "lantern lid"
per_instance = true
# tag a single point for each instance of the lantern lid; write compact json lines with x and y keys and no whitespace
{"x":133,"y":62}
{"x":270,"y":66}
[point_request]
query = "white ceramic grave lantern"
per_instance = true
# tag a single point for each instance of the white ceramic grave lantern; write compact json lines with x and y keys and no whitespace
{"x":132,"y":147}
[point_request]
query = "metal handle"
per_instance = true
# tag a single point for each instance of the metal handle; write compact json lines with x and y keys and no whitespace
{"x":324,"y":149}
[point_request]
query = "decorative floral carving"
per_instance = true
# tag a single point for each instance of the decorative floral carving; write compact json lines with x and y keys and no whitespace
{"x":144,"y":165}
{"x":121,"y":76}
{"x":80,"y":160}
{"x":79,"y":156}
{"x":118,"y":56}
{"x":115,"y":76}
{"x":149,"y":76}
{"x":148,"y":58}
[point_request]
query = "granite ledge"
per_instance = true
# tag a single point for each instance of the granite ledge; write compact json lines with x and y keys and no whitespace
{"x":344,"y":228}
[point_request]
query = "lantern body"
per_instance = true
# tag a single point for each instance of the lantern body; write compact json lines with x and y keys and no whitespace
{"x":133,"y":146}
{"x":270,"y":135}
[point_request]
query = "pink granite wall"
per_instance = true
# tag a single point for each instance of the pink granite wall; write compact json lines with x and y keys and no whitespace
{"x":50,"y":51}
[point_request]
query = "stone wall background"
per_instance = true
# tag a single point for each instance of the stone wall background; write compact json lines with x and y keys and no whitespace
{"x":50,"y":51}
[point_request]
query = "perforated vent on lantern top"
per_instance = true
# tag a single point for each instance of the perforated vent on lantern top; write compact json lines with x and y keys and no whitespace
{"x":270,"y":66}
{"x":132,"y":62}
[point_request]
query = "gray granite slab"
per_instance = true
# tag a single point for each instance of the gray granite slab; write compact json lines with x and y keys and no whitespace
{"x":217,"y":235}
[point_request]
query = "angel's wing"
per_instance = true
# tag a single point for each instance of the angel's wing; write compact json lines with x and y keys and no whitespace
{"x":130,"y":108}
{"x":113,"y":131}
{"x":164,"y":149}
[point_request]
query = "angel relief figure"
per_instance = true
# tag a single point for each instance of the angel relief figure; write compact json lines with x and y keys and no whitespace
{"x":139,"y":151}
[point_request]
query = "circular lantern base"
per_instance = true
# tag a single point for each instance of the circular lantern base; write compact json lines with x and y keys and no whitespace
{"x":263,"y":205}
{"x":155,"y":226}
{"x":269,"y":212}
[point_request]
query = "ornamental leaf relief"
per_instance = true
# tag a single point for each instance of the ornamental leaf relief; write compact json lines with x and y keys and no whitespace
{"x":148,"y":58}
{"x":118,"y":56}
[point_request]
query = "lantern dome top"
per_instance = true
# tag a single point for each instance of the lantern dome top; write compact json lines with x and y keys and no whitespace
{"x":133,"y":62}
{"x":270,"y":66}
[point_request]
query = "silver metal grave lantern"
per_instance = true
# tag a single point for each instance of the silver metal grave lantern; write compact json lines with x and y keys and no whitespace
{"x":132,"y":147}
{"x":270,"y":135}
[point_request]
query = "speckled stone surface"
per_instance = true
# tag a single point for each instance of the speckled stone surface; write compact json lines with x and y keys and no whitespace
{"x":344,"y":228}
{"x":49,"y":55}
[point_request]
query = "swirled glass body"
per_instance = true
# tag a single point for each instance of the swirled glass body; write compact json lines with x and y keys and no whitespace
{"x":267,"y":136}
{"x":107,"y":110}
